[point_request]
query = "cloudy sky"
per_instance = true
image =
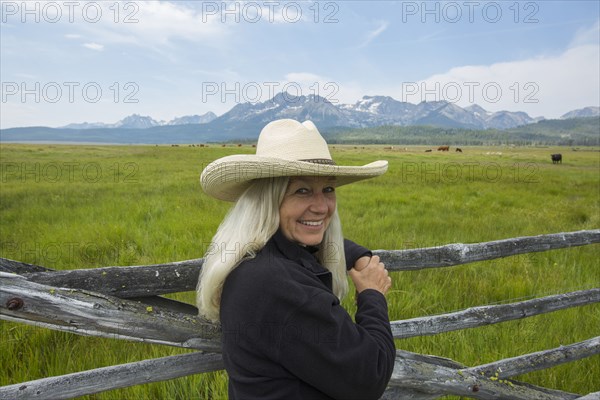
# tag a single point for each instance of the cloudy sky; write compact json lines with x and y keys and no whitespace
{"x":76,"y":61}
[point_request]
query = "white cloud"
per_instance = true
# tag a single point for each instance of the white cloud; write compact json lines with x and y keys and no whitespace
{"x":94,"y":46}
{"x":587,"y":35}
{"x":158,"y":22}
{"x":546,"y":86}
{"x":371,"y":35}
{"x":162,"y":21}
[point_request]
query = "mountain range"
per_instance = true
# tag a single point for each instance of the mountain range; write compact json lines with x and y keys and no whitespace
{"x":136,"y":121}
{"x":244,"y":121}
{"x":367,"y":112}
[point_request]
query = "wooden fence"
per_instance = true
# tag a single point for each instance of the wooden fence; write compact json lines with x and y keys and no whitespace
{"x":103,"y":302}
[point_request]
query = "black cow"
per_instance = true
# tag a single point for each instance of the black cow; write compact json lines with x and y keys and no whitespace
{"x":556,"y":158}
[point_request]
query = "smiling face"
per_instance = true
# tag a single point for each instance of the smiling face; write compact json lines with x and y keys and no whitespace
{"x":306,"y":209}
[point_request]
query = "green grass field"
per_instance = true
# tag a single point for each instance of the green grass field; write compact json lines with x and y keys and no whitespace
{"x":87,"y":206}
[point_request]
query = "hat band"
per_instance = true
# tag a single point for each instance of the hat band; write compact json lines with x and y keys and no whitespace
{"x":320,"y":161}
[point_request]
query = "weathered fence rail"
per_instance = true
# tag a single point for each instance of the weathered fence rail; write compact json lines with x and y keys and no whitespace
{"x":159,"y":279}
{"x":103,"y":302}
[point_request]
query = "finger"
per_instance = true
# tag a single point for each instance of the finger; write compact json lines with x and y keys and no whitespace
{"x":375,"y":260}
{"x":388,"y":281}
{"x":385,"y":279}
{"x":383,"y":272}
{"x":362,"y":263}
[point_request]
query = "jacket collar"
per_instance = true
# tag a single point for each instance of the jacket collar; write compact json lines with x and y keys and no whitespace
{"x":295,"y":252}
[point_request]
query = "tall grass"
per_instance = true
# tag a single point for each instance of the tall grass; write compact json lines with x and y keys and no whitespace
{"x":67,"y":207}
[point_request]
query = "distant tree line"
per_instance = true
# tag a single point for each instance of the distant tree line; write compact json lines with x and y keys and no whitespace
{"x":571,"y":132}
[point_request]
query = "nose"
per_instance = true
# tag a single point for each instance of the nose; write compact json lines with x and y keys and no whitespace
{"x":318,"y":203}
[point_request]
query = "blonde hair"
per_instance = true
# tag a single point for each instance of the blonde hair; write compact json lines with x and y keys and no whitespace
{"x":245,"y":230}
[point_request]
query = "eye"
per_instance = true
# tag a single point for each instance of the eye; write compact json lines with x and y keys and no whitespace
{"x":302,"y":190}
{"x":329,"y":189}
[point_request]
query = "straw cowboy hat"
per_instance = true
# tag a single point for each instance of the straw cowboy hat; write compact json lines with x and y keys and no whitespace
{"x":285,"y":147}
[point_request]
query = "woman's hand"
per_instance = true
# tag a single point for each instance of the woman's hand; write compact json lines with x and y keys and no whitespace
{"x":370,"y":275}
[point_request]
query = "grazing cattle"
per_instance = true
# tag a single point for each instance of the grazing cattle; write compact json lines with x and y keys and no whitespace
{"x":428,"y":151}
{"x":458,"y":150}
{"x":444,"y":148}
{"x":556,"y":158}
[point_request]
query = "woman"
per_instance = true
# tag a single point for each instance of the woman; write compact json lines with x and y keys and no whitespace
{"x":277,"y":269}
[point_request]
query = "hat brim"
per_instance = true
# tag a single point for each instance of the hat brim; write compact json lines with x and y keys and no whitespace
{"x":228,"y":177}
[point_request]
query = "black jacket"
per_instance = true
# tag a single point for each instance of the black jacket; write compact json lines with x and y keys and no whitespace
{"x":286,"y":336}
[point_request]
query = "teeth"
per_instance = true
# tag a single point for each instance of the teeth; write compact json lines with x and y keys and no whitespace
{"x":311,"y":223}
